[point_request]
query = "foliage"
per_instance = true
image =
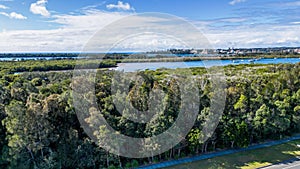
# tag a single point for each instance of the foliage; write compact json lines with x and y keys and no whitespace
{"x":39,"y":127}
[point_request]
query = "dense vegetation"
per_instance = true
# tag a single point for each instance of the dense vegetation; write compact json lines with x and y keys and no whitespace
{"x":52,"y":65}
{"x":38,"y":55}
{"x":39,"y":127}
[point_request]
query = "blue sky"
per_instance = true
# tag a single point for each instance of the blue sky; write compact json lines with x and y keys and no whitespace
{"x":58,"y":25}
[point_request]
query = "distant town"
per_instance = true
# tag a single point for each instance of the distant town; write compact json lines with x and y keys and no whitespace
{"x":234,"y":51}
{"x":229,"y":52}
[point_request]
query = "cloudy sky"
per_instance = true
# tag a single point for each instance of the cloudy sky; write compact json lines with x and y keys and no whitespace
{"x":62,"y":26}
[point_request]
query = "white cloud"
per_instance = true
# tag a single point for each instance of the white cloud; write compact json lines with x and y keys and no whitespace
{"x":120,"y":6}
{"x":77,"y":29}
{"x":290,"y":4}
{"x":3,"y":7}
{"x":89,"y":20}
{"x":236,"y":2}
{"x":4,"y":14}
{"x":13,"y":15}
{"x":39,"y":8}
{"x":255,"y":36}
{"x":17,"y":16}
{"x":232,"y":20}
{"x":74,"y":33}
{"x":296,"y":23}
{"x":149,"y":42}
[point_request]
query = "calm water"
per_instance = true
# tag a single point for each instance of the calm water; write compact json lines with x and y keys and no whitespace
{"x":131,"y":67}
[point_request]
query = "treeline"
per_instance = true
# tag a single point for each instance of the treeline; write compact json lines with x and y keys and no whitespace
{"x":39,"y":127}
{"x":40,"y":55}
{"x":53,"y":65}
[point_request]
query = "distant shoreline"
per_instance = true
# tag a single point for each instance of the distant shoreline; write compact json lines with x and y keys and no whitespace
{"x":162,"y":58}
{"x":187,"y":59}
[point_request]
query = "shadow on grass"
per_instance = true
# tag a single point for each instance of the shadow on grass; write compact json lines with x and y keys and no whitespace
{"x":249,"y":159}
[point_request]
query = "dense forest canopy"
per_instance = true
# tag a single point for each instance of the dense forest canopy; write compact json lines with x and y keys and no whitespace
{"x":10,"y":67}
{"x":40,"y":129}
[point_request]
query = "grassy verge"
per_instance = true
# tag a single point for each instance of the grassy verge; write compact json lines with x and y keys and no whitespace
{"x":249,"y":159}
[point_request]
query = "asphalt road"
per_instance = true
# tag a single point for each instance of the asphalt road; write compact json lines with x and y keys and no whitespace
{"x":289,"y":164}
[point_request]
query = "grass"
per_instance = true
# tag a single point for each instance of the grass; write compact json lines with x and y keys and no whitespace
{"x":248,"y":159}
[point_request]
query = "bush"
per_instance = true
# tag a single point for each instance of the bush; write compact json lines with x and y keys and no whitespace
{"x":134,"y":163}
{"x":37,"y":81}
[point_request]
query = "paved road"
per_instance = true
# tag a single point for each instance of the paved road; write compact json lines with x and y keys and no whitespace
{"x":221,"y":153}
{"x":289,"y":164}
